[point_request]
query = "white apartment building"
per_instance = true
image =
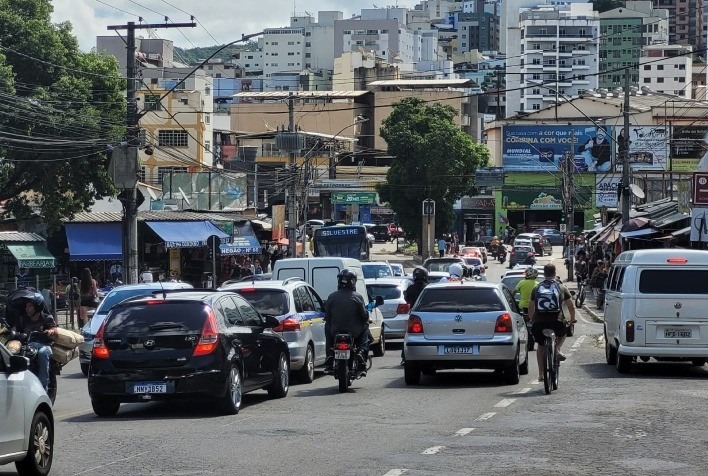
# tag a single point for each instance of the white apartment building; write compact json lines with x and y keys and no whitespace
{"x":552,"y":54}
{"x":667,"y":69}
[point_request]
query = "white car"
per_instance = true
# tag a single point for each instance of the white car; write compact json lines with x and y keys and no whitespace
{"x":376,"y":269}
{"x":395,"y":309}
{"x":27,"y":424}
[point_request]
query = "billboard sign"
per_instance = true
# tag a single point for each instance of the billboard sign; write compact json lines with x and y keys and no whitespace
{"x":606,"y":190}
{"x":648,"y":147}
{"x":489,"y":177}
{"x":700,"y":189}
{"x":689,"y":144}
{"x":544,"y":148}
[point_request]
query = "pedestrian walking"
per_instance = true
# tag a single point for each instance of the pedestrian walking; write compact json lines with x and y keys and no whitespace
{"x":442,"y":244}
{"x":73,"y":298}
{"x":89,"y":296}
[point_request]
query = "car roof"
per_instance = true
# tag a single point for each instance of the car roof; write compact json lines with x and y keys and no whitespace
{"x":464,"y":285}
{"x":386,"y":281}
{"x":154,"y":286}
{"x":438,"y":273}
{"x":363,"y":263}
{"x":265,"y":284}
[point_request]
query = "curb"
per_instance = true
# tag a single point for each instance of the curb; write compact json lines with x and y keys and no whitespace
{"x":594,"y":315}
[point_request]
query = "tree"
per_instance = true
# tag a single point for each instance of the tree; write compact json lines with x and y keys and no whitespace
{"x":59,"y":110}
{"x":433,"y":159}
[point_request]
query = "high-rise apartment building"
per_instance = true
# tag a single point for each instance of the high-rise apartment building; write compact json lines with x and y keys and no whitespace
{"x":685,"y":22}
{"x":667,"y":69}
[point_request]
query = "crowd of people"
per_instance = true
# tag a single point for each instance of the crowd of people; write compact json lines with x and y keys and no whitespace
{"x":592,"y":264}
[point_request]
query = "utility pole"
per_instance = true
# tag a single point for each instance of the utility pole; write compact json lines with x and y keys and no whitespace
{"x":626,"y":195}
{"x":292,"y":202}
{"x":498,"y":115}
{"x":568,"y":207}
{"x":132,"y":135}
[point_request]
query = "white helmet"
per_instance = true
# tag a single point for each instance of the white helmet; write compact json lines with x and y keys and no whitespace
{"x":456,"y":269}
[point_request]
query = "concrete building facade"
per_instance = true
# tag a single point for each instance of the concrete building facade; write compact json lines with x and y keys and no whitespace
{"x":667,"y":69}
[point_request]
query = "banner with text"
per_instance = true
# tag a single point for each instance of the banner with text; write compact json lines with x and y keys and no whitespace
{"x":689,"y":144}
{"x":648,"y":147}
{"x":606,"y":190}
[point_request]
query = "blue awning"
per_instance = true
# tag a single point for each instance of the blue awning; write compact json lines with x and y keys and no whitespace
{"x":244,"y":241}
{"x":94,"y":241}
{"x":186,"y":234}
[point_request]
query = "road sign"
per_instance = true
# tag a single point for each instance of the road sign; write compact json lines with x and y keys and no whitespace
{"x":700,"y":189}
{"x":562,"y":227}
{"x":428,"y":207}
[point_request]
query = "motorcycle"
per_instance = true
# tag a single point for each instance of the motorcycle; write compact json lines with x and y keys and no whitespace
{"x":347,"y":367}
{"x":501,"y":254}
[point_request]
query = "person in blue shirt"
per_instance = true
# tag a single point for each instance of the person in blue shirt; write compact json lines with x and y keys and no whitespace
{"x":442,"y":244}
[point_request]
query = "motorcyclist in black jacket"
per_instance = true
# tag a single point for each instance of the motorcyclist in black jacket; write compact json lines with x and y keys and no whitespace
{"x":346,"y":311}
{"x":420,"y":281}
{"x":37,"y":320}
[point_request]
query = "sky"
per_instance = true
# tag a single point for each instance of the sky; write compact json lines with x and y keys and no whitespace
{"x":225,"y":20}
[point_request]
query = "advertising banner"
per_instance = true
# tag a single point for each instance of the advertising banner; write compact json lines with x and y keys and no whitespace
{"x":543,"y":198}
{"x":354,"y":198}
{"x":278,"y":230}
{"x":606,"y":190}
{"x":700,"y":189}
{"x":689,"y":145}
{"x":489,"y":177}
{"x":648,"y":147}
{"x":543,"y":148}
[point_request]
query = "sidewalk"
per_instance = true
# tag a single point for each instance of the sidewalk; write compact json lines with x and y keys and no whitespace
{"x":592,"y":310}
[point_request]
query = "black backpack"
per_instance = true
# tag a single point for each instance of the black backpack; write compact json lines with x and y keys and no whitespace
{"x":548,"y":297}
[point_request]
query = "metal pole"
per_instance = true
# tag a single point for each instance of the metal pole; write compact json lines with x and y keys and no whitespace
{"x":625,"y":155}
{"x":209,"y":189}
{"x":671,"y":163}
{"x":130,"y":216}
{"x":292,"y":210}
{"x":213,"y":261}
{"x":255,"y":186}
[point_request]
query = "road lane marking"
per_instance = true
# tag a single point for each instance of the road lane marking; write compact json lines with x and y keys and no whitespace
{"x":505,"y":403}
{"x":579,"y":341}
{"x":62,"y":416}
{"x":432,"y":450}
{"x":534,"y":382}
{"x":485,"y":416}
{"x":524,"y":390}
{"x":396,"y":472}
{"x":464,"y":431}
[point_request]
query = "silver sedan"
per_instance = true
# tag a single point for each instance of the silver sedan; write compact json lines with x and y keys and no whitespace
{"x":395,"y":309}
{"x":468,"y":325}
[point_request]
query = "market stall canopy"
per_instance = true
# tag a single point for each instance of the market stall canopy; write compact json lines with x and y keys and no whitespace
{"x":244,"y":241}
{"x":636,"y":233}
{"x":32,"y":255}
{"x":94,"y":241}
{"x":186,"y":234}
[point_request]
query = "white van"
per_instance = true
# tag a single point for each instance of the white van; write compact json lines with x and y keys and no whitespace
{"x":321,"y":274}
{"x":655,"y":306}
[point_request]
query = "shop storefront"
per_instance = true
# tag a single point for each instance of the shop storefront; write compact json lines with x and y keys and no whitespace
{"x":352,"y":207}
{"x":25,"y":260}
{"x":96,"y":246}
{"x":474,"y":217}
{"x":243,"y":243}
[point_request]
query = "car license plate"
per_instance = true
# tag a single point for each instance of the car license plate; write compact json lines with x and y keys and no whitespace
{"x":677,"y":333}
{"x":144,"y":388}
{"x":341,"y":354}
{"x":462,"y":349}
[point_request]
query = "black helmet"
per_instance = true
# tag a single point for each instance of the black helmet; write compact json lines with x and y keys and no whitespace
{"x":38,"y":300}
{"x":346,"y":280}
{"x":420,"y":274}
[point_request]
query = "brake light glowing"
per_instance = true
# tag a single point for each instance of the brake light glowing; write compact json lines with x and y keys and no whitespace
{"x":210,"y":336}
{"x":404,"y":308}
{"x":247,"y":290}
{"x":155,"y":301}
{"x":677,"y":260}
{"x":342,"y":345}
{"x":100,"y":351}
{"x":504,"y":324}
{"x":415,"y":324}
{"x":630,"y":331}
{"x":289,"y":324}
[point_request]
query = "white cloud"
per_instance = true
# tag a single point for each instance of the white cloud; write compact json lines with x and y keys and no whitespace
{"x":226,"y":20}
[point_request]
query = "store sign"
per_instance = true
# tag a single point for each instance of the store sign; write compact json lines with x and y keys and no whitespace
{"x":36,"y":263}
{"x":471,"y":203}
{"x":532,"y":199}
{"x":648,"y":147}
{"x":354,"y":198}
{"x":381,"y":211}
{"x":700,"y":189}
{"x":338,"y":184}
{"x":688,"y":146}
{"x":606,"y":190}
{"x":489,"y":177}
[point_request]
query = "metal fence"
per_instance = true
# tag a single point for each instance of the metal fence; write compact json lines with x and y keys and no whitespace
{"x":53,"y":289}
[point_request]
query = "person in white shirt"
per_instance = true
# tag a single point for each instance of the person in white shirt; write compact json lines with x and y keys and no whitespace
{"x":146,"y":275}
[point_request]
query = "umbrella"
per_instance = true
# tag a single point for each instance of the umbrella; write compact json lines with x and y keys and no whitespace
{"x":634,"y":224}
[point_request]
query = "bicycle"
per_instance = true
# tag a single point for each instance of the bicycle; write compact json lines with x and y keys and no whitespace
{"x":580,"y":295}
{"x":551,"y":364}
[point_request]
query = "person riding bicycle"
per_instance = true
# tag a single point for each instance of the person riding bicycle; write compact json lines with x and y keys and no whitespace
{"x":456,"y":273}
{"x":37,"y":320}
{"x":546,"y":312}
{"x":581,"y":269}
{"x":525,"y":287}
{"x":346,"y":312}
{"x":420,"y":281}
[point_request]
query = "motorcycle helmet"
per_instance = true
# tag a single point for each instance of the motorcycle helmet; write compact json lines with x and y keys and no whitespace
{"x":346,"y":280}
{"x":531,"y":273}
{"x":38,"y":300}
{"x":420,"y":274}
{"x":456,"y":270}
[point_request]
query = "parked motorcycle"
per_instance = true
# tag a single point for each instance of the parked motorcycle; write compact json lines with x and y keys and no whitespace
{"x":347,"y":366}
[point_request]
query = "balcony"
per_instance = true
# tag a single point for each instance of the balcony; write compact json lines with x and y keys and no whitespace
{"x":552,"y":52}
{"x":533,"y":66}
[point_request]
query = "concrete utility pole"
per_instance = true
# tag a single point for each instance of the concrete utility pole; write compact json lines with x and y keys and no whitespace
{"x":568,"y":207}
{"x":626,"y":194}
{"x":132,"y":135}
{"x":292,"y":195}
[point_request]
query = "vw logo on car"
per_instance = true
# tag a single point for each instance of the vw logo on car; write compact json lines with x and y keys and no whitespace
{"x":458,"y":318}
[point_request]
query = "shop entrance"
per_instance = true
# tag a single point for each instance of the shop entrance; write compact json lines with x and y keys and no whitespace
{"x":477,"y":225}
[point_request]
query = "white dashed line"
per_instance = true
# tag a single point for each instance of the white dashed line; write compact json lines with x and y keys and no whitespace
{"x":396,"y":472}
{"x":464,"y":431}
{"x":579,"y":341}
{"x":534,"y":382}
{"x":485,"y":416}
{"x":505,"y":403}
{"x":432,"y":450}
{"x":524,"y":390}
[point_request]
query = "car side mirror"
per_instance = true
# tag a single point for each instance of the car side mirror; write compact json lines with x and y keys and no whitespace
{"x":18,"y":363}
{"x":270,"y":321}
{"x":379,"y":301}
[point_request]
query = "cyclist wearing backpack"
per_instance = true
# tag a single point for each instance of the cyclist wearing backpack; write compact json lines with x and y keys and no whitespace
{"x":546,"y":312}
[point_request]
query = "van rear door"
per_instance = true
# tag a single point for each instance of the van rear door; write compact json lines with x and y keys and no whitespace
{"x":672,"y":302}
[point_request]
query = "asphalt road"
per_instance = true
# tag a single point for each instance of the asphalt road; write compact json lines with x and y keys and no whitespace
{"x":459,"y":422}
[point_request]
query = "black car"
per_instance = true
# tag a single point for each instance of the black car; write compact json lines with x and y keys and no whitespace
{"x":380,"y":232}
{"x":519,"y":254}
{"x":184,"y":346}
{"x":554,"y":236}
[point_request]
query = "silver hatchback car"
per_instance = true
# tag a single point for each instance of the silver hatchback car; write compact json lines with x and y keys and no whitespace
{"x":395,"y":309}
{"x":466,"y":325}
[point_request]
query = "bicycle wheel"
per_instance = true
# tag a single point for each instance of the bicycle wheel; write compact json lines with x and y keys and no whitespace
{"x":548,"y":366}
{"x":556,"y":371}
{"x":581,"y":296}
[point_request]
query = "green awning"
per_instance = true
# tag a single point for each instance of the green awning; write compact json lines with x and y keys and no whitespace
{"x":32,"y":255}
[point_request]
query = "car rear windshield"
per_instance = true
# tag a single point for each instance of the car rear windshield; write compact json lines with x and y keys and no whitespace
{"x":163,"y":316}
{"x":473,"y":261}
{"x":673,"y":281}
{"x":267,"y":301}
{"x":376,"y":271}
{"x":443,"y":266}
{"x":114,"y":297}
{"x":459,"y":300}
{"x":385,"y":291}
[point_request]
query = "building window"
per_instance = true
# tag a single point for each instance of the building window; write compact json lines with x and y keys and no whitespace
{"x":152,"y":102}
{"x":307,"y":55}
{"x":291,"y":43}
{"x":207,"y":146}
{"x":647,"y":67}
{"x":660,"y":67}
{"x":291,"y":53}
{"x":535,"y":107}
{"x":308,"y":44}
{"x":207,"y":118}
{"x":659,"y":80}
{"x":207,"y":91}
{"x":173,"y":138}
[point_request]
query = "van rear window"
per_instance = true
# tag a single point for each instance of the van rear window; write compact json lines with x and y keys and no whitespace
{"x":673,"y":281}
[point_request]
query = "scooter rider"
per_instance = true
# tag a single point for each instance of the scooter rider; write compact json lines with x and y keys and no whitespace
{"x":457,"y":273}
{"x":420,"y":281}
{"x":346,"y":312}
{"x":36,"y":320}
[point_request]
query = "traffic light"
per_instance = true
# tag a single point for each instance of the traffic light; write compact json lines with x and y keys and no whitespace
{"x":563,"y":219}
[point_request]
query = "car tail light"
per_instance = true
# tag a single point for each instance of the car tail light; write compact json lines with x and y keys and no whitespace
{"x":155,"y":301}
{"x":210,"y":337}
{"x":100,"y":351}
{"x":404,"y":308}
{"x":677,"y":260}
{"x":247,"y":290}
{"x":630,"y":331}
{"x":504,"y":324}
{"x":415,"y":324}
{"x":289,"y":324}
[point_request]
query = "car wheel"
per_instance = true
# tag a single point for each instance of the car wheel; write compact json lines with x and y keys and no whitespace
{"x":511,"y":373}
{"x":411,"y":374}
{"x":105,"y":407}
{"x":624,"y":363}
{"x":380,"y":348}
{"x":85,"y":369}
{"x":698,"y":362}
{"x":307,"y":372}
{"x":231,"y":403}
{"x":41,"y":447}
{"x":610,"y":352}
{"x":281,"y":379}
{"x":524,"y":368}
